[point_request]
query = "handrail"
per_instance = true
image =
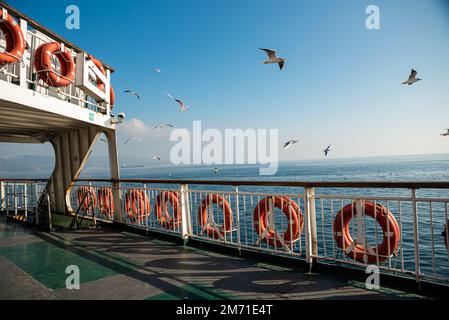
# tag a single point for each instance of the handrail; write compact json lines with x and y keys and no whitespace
{"x":274,"y":183}
{"x":23,"y":180}
{"x":305,"y":184}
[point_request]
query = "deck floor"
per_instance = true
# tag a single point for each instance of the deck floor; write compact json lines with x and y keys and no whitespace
{"x":119,"y":265}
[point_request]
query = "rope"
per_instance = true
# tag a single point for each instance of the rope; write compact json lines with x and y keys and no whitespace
{"x":19,"y":59}
{"x":57,"y":73}
{"x":62,"y":55}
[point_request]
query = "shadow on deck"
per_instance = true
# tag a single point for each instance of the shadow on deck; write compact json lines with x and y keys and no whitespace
{"x":120,"y":265}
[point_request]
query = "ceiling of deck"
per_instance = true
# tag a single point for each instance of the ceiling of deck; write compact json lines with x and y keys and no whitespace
{"x":22,"y":124}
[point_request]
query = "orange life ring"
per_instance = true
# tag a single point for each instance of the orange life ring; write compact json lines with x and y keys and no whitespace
{"x":162,"y":212}
{"x":211,"y":229}
{"x":87,"y":198}
{"x":294,"y":216}
{"x":384,"y":218}
{"x":106,"y":202}
{"x":45,"y":71}
{"x":100,"y":84}
{"x":15,"y":41}
{"x":137,"y":205}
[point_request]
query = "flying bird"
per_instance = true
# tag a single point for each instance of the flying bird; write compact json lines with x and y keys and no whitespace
{"x":289,"y":143}
{"x":412,"y":78}
{"x":273,"y":59}
{"x":104,"y":140}
{"x":133,"y":93}
{"x":326,"y":151}
{"x":132,"y":139}
{"x":162,"y":125}
{"x":445,"y":134}
{"x":155,"y":158}
{"x":216,"y":170}
{"x":182,"y":105}
{"x":157,"y":70}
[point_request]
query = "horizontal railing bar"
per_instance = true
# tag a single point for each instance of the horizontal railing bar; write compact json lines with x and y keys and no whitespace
{"x":245,"y":193}
{"x":307,"y":184}
{"x":23,"y":180}
{"x":356,"y":197}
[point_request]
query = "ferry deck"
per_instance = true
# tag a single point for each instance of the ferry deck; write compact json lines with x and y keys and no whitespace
{"x":179,"y":239}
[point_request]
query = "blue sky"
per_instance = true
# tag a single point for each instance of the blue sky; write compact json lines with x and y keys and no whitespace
{"x":341,"y":85}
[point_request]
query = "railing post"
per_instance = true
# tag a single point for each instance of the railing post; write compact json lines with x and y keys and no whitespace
{"x":186,"y":221}
{"x":237,"y":217}
{"x":16,"y":203}
{"x":22,"y":64}
{"x":7,"y":203}
{"x":310,"y":226}
{"x":25,"y":199}
{"x":2,"y":196}
{"x":416,"y":235}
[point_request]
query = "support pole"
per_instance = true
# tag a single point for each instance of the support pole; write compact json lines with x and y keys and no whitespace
{"x":310,"y":226}
{"x":115,"y":173}
{"x":186,"y":222}
{"x":416,"y":236}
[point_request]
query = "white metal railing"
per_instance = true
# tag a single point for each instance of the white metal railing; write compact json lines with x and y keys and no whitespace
{"x":190,"y":209}
{"x":23,"y":73}
{"x":421,"y":251}
{"x":19,"y":198}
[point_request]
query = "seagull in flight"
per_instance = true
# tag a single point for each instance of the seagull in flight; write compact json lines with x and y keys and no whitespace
{"x":412,"y":78}
{"x":182,"y":105}
{"x":133,"y":93}
{"x":155,"y":158}
{"x":445,"y":134}
{"x":162,"y":125}
{"x":326,"y":151}
{"x":132,"y":139}
{"x":289,"y":143}
{"x":273,"y":59}
{"x":104,"y":140}
{"x":157,"y":70}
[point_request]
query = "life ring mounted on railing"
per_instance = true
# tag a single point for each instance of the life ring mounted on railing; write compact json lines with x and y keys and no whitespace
{"x":264,"y":223}
{"x":206,"y":219}
{"x":87,"y":199}
{"x":163,"y":213}
{"x":106,"y":202}
{"x":357,"y":249}
{"x":15,"y":41}
{"x":137,"y":205}
{"x":45,"y":70}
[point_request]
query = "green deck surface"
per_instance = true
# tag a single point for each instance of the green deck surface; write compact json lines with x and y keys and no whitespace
{"x":47,"y":263}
